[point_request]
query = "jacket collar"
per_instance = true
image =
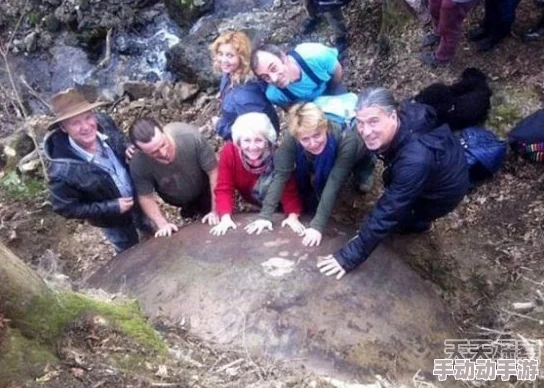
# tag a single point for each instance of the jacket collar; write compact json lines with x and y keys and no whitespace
{"x":82,"y":152}
{"x":57,"y":147}
{"x":399,"y":140}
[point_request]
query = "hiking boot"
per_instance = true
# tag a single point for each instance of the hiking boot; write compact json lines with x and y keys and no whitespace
{"x":486,"y":44}
{"x":431,"y":40}
{"x":308,"y":26}
{"x":430,"y":59}
{"x":341,"y":45}
{"x":417,"y":228}
{"x":477,"y":34}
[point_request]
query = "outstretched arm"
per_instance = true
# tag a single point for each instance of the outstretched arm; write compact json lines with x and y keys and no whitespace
{"x":153,"y":212}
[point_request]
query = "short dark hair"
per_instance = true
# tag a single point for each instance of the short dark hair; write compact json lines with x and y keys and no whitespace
{"x":143,"y":130}
{"x":269,"y":48}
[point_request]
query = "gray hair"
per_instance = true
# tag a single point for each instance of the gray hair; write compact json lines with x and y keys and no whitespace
{"x":269,"y":48}
{"x":253,"y":123}
{"x":379,"y":97}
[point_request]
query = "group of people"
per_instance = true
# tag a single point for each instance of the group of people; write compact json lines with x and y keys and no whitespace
{"x":447,"y":19}
{"x":97,"y":175}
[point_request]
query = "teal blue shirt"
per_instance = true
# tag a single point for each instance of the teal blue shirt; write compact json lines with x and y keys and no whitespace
{"x":322,"y":60}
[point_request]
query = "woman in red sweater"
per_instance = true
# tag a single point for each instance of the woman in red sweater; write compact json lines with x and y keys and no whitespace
{"x":246,"y":166}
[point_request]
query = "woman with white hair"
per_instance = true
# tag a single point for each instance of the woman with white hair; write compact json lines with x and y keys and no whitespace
{"x":246,"y":165}
{"x":322,"y":157}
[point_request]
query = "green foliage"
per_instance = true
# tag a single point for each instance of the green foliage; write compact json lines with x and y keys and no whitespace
{"x":46,"y":318}
{"x":34,"y":18}
{"x":19,"y":187}
{"x":186,"y":4}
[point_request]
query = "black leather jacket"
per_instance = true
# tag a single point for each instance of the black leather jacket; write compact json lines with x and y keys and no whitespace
{"x":80,"y":189}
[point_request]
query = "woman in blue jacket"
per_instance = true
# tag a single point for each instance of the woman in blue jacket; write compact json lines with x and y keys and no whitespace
{"x":240,"y":91}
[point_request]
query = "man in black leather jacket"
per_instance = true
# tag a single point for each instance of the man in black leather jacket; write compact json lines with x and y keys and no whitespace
{"x":425,"y":176}
{"x":88,"y":175}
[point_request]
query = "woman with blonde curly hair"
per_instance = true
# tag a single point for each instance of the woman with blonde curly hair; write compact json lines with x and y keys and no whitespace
{"x":322,"y":157}
{"x":240,"y":91}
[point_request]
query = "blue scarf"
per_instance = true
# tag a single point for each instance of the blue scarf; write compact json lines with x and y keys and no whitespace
{"x":323,"y":164}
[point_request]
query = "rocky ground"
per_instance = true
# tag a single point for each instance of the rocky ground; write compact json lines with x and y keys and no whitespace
{"x":482,"y":258}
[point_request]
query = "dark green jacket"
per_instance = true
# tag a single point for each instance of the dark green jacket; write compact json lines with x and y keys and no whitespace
{"x":350,"y":150}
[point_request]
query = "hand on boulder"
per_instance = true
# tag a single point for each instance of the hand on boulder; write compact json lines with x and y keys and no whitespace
{"x":166,"y":230}
{"x":312,"y":237}
{"x":211,"y":218}
{"x":225,"y":224}
{"x":293,"y":222}
{"x":258,"y":226}
{"x":330,"y":266}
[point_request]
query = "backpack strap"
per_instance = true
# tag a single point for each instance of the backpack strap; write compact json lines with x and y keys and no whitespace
{"x":289,"y":94}
{"x":304,"y":66}
{"x":302,"y":63}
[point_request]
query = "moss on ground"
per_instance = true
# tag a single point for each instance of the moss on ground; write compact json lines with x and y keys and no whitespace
{"x":21,"y":357}
{"x":47,"y":318}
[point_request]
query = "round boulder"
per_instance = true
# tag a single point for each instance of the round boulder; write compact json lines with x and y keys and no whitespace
{"x":263,"y":294}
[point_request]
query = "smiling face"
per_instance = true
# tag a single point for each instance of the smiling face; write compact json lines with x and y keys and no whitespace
{"x":376,"y":127}
{"x":253,"y":146}
{"x":313,"y":141}
{"x":161,"y":147}
{"x":272,"y":69}
{"x":82,"y":129}
{"x":227,"y":58}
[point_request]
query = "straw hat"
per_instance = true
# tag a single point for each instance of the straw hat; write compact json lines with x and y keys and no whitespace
{"x":70,"y":103}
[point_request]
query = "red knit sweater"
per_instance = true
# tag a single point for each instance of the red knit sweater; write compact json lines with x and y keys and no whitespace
{"x":233,"y":176}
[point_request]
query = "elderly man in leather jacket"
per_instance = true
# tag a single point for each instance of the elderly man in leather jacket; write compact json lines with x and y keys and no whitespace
{"x":425,"y":177}
{"x":88,"y":175}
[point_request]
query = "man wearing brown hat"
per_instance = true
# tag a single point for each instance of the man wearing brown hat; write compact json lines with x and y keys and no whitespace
{"x":88,"y":175}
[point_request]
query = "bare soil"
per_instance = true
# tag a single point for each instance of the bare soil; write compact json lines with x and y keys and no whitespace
{"x":483,"y":257}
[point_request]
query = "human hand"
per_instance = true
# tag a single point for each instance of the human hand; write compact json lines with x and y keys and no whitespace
{"x":211,"y":218}
{"x":221,"y":228}
{"x":330,"y":266}
{"x":125,"y":204}
{"x":166,"y":230}
{"x":258,"y":226}
{"x":293,"y":222}
{"x":312,"y":237}
{"x":129,"y":152}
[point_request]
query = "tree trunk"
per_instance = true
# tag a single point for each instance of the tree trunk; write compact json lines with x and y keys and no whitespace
{"x":37,"y":316}
{"x":20,"y":286}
